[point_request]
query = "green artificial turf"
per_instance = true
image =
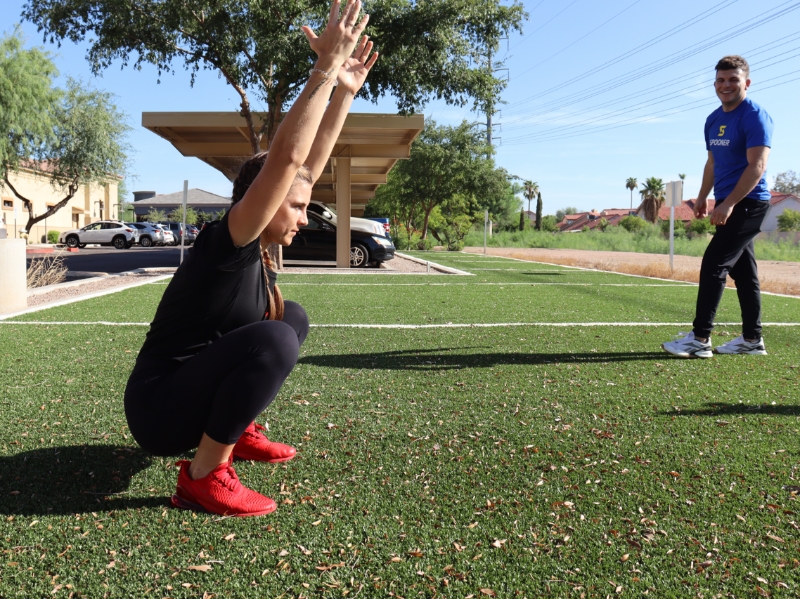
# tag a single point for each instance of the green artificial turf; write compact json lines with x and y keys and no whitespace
{"x":508,"y":462}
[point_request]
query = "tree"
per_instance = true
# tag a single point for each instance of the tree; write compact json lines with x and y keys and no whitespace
{"x":652,"y":196}
{"x":787,"y":182}
{"x":560,"y":214}
{"x":522,"y":219}
{"x":155,"y":216}
{"x":602,"y":224}
{"x":682,"y":176}
{"x":85,"y":145}
{"x":428,"y":49}
{"x":529,"y":190}
{"x":176,"y":215}
{"x":549,"y":224}
{"x":538,"y":210}
{"x":631,"y":184}
{"x":789,"y":220}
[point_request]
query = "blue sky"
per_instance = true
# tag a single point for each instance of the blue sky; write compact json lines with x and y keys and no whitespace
{"x":598,"y":92}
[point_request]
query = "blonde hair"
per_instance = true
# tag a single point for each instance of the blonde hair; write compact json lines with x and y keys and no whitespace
{"x":247,"y":174}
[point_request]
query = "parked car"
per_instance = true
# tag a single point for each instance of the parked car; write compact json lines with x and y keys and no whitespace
{"x":104,"y":232}
{"x":357,"y":224}
{"x":169,"y":236}
{"x":149,"y":234}
{"x":317,"y":241}
{"x":178,"y":231}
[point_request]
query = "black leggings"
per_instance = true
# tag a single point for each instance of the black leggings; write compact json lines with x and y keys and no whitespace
{"x":219,"y":392}
{"x":731,"y":252}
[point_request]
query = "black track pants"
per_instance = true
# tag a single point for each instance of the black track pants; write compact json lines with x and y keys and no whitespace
{"x":220,"y":391}
{"x":731,"y":252}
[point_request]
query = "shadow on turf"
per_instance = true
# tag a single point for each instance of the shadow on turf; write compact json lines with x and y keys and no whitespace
{"x":725,"y":409}
{"x":432,"y":359}
{"x":72,"y":480}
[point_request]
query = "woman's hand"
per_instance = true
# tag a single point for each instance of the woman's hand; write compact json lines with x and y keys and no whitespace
{"x":336,"y":42}
{"x":355,"y":69}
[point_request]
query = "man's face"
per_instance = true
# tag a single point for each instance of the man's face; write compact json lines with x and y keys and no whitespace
{"x":731,"y":87}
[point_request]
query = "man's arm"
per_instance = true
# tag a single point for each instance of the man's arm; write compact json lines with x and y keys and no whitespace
{"x":701,"y":206}
{"x":756,"y":167}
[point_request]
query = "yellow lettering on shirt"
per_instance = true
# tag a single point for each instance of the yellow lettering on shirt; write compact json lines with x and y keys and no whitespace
{"x":721,"y":130}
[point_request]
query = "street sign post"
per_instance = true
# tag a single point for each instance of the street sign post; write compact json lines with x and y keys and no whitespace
{"x":485,"y":227}
{"x":674,"y":198}
{"x":183,"y":217}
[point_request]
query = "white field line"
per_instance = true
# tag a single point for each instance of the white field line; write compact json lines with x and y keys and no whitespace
{"x":448,"y":325}
{"x":448,"y":269}
{"x":677,"y":284}
{"x":80,"y":298}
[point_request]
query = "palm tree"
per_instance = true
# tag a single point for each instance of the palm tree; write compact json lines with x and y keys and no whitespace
{"x":682,"y":176}
{"x":631,"y":184}
{"x":530,"y":189}
{"x":652,"y":197}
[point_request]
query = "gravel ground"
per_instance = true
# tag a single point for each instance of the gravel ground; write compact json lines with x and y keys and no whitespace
{"x":83,"y":288}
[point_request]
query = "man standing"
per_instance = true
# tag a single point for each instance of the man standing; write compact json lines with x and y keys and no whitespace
{"x":738,"y":139}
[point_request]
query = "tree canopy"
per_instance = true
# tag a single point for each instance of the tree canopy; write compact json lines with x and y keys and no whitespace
{"x":787,"y":182}
{"x":428,"y":50}
{"x":73,"y":137}
{"x":450,"y":174}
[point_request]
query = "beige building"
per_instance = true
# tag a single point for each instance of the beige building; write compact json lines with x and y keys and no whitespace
{"x":91,"y":203}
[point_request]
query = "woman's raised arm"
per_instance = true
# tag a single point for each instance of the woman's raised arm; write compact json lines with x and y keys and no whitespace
{"x":292,"y":142}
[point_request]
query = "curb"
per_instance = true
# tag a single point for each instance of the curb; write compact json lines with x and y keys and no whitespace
{"x":447,"y":269}
{"x":98,"y":277}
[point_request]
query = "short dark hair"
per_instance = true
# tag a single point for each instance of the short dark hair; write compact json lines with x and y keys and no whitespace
{"x":732,"y":62}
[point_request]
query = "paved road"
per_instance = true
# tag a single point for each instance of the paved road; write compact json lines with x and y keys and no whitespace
{"x":104,"y":259}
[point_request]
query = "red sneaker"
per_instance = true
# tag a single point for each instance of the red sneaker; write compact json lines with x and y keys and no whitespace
{"x":219,"y":492}
{"x":254,"y":445}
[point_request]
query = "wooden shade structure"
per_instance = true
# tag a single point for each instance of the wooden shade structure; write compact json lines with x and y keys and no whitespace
{"x":367,"y":149}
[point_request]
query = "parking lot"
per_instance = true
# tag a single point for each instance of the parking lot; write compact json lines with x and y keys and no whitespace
{"x":110,"y":260}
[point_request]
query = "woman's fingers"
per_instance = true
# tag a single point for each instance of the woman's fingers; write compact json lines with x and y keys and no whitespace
{"x":350,"y":13}
{"x":359,"y":51}
{"x":372,"y":61}
{"x":333,"y":16}
{"x":310,"y":35}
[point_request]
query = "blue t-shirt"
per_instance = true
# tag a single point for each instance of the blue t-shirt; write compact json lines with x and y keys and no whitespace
{"x":728,"y":137}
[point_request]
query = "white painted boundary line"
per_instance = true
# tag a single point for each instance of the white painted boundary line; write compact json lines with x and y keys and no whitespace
{"x":448,"y":325}
{"x":288,"y":283}
{"x":80,"y":298}
{"x":448,"y":269}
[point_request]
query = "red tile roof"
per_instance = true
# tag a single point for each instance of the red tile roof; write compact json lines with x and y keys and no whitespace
{"x":779,"y":197}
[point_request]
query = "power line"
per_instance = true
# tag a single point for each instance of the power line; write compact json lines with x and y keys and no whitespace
{"x":693,"y":21}
{"x":641,"y":105}
{"x":758,"y":50}
{"x":645,"y":118}
{"x":527,"y":37}
{"x":669,"y":60}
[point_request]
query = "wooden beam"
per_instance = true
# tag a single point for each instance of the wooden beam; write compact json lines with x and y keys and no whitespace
{"x":356,"y":179}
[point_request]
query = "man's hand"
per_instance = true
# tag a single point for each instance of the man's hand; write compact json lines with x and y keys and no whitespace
{"x":720,"y":214}
{"x":701,"y":208}
{"x":356,"y":68}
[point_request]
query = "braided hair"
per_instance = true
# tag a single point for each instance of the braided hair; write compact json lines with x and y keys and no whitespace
{"x":247,"y":174}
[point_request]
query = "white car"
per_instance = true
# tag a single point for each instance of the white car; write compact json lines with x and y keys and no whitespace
{"x":104,"y":232}
{"x":357,"y":224}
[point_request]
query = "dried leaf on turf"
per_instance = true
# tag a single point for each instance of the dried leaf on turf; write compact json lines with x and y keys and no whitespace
{"x":201,"y":568}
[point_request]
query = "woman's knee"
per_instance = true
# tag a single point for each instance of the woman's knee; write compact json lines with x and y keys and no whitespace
{"x":277,"y":345}
{"x":295,"y":316}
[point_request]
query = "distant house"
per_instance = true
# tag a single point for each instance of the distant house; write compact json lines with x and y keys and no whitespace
{"x":778,"y":203}
{"x":576,"y":222}
{"x":684,"y":212}
{"x":199,"y":199}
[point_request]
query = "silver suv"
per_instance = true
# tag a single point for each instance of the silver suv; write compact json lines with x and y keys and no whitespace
{"x":149,"y":235}
{"x":104,"y":232}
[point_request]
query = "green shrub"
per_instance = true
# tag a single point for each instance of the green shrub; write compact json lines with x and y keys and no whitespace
{"x":789,"y":220}
{"x":52,"y":236}
{"x":680,"y":228}
{"x":549,"y":224}
{"x":602,"y":224}
{"x":701,"y":226}
{"x":425,"y":244}
{"x":632,"y":224}
{"x":585,"y":229}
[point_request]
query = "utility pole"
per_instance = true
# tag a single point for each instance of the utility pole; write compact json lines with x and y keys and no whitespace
{"x":489,"y":108}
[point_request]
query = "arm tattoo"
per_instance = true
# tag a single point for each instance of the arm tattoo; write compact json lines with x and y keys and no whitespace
{"x":316,"y":89}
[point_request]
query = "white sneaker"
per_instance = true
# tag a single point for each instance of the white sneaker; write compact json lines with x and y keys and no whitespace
{"x":741,"y":346}
{"x":686,"y":346}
